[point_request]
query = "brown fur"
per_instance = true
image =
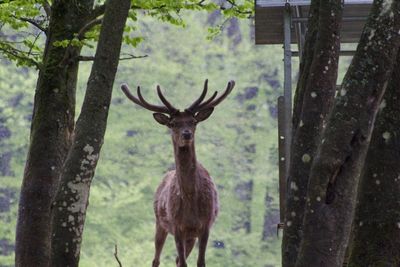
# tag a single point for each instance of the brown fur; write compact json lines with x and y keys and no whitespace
{"x":186,"y":201}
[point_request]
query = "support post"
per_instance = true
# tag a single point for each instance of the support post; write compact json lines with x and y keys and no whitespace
{"x":282,"y":162}
{"x":287,"y":86}
{"x":299,"y":27}
{"x":285,"y":116}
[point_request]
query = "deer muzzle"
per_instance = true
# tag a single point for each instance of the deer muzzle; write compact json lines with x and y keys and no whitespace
{"x":187,"y":135}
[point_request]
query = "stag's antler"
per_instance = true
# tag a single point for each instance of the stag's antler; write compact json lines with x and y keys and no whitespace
{"x":167,"y":108}
{"x":199,"y":105}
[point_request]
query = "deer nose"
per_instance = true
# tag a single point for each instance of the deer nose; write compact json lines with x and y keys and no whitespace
{"x":187,"y":135}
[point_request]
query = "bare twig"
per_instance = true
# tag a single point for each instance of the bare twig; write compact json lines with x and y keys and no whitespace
{"x":33,"y":44}
{"x":234,"y":5}
{"x":19,"y":55}
{"x":32,"y":22}
{"x":116,"y":255}
{"x":128,"y":56}
{"x":153,"y":8}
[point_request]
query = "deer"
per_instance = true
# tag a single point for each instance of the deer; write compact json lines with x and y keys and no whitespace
{"x":186,"y":201}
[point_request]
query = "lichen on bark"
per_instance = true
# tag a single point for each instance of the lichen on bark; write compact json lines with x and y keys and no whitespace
{"x":71,"y":200}
{"x":377,"y":220}
{"x":340,"y":157}
{"x":51,"y":130}
{"x":315,"y":92}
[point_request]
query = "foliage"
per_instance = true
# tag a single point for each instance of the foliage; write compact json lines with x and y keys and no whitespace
{"x":24,"y":24}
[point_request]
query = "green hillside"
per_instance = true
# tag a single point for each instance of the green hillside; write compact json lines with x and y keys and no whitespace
{"x":237,"y":145}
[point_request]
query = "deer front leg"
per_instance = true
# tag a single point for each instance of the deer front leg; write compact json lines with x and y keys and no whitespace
{"x":180,"y":248}
{"x":203,"y":239}
{"x":161,"y":235}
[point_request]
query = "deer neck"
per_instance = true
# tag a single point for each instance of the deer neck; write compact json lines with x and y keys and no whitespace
{"x":186,"y":168}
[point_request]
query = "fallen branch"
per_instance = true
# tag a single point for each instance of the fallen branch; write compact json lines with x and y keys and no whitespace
{"x":116,"y":255}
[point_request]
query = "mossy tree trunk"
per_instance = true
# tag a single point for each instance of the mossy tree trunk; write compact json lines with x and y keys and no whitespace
{"x":376,"y":226}
{"x":51,"y":130}
{"x":314,"y":96}
{"x":71,"y":201}
{"x":336,"y":168}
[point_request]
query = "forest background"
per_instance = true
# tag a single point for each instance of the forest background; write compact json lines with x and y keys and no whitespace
{"x":238,"y":144}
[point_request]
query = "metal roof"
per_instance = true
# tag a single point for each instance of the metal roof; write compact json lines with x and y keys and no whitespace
{"x":269,"y":20}
{"x":271,"y":3}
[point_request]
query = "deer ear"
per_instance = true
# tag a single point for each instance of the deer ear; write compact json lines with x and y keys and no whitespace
{"x":203,"y":114}
{"x":161,"y":118}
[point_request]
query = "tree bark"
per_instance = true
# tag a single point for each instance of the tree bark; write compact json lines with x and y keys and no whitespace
{"x":69,"y":207}
{"x":306,"y":60}
{"x":317,"y":88}
{"x":52,"y":126}
{"x":376,"y":227}
{"x":336,"y":168}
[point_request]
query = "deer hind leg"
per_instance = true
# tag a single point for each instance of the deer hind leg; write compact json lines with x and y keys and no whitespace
{"x":161,"y":235}
{"x":203,"y":239}
{"x":189,"y":244}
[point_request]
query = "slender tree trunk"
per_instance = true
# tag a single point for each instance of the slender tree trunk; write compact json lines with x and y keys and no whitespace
{"x":52,"y":126}
{"x":376,"y":227}
{"x":317,"y":89}
{"x":336,"y":168}
{"x":69,"y":208}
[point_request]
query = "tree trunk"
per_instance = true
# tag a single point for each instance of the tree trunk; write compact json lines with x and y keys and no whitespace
{"x":336,"y":168}
{"x":316,"y":90}
{"x":52,"y":126}
{"x":376,"y":227}
{"x":306,"y":60}
{"x":69,"y":207}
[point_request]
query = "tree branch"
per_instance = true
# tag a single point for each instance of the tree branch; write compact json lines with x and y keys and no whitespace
{"x":98,"y":11}
{"x":87,"y":27}
{"x":47,"y":8}
{"x":237,"y":10}
{"x":32,"y":22}
{"x":33,"y":44}
{"x":18,"y":54}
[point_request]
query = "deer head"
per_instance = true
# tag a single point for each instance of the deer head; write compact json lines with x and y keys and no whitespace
{"x":182,"y":123}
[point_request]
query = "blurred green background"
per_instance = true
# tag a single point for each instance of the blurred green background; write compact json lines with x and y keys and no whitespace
{"x":238,"y":145}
